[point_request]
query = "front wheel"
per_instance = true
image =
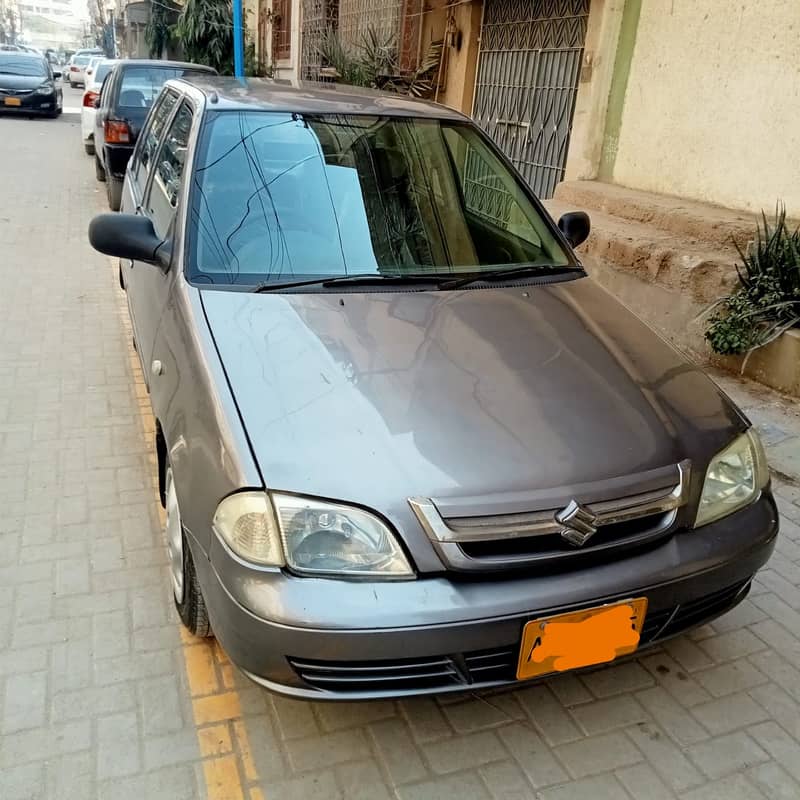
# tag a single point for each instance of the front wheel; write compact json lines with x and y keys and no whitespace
{"x":185,"y":588}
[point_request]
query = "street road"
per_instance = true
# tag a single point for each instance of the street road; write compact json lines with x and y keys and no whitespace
{"x":101,"y":695}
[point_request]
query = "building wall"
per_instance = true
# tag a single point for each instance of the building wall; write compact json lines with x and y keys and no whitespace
{"x":461,"y":56}
{"x":712,"y":105}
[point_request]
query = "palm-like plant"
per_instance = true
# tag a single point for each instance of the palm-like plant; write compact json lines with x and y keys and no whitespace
{"x":205,"y":30}
{"x":767,"y":301}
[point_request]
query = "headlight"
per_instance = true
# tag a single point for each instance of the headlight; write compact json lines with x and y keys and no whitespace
{"x":247,"y":525}
{"x":45,"y":88}
{"x":310,"y":536}
{"x":734,"y":478}
{"x":325,"y":538}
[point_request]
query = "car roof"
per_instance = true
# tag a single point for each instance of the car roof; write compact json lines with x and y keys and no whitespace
{"x":157,"y":63}
{"x":23,"y":54}
{"x":312,"y":98}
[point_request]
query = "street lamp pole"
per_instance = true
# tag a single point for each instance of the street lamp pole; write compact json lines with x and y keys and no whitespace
{"x":238,"y":39}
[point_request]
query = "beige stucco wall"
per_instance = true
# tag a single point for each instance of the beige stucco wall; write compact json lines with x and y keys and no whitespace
{"x":591,"y":103}
{"x":712,"y":108}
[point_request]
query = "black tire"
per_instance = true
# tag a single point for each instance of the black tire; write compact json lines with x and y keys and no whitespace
{"x":192,"y":609}
{"x":114,"y":193}
{"x":99,"y":172}
{"x":89,"y":148}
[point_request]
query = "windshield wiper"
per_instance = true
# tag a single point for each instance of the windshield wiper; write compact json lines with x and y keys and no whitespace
{"x":362,"y":279}
{"x":509,"y":272}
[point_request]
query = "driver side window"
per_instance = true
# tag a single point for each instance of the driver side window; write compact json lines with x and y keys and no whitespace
{"x":169,"y":163}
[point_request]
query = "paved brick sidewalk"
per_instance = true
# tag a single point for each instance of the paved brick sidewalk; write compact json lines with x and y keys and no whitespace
{"x":101,"y":695}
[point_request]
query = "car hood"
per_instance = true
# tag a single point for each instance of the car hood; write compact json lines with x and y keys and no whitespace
{"x":21,"y":81}
{"x":488,"y":393}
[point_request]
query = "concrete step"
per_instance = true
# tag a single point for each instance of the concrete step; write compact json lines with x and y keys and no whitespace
{"x":703,"y":270}
{"x":685,"y":218}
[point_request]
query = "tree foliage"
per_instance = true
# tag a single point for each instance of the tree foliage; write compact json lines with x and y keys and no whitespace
{"x":205,"y":31}
{"x":160,"y":29}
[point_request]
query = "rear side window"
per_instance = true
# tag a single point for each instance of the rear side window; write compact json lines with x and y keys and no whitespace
{"x":152,"y":135}
{"x":101,"y":71}
{"x":140,"y":85}
{"x":169,"y":166}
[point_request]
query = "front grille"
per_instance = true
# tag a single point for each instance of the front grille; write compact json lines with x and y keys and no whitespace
{"x":553,"y":546}
{"x":483,"y":668}
{"x":401,"y":675}
{"x":16,"y":92}
{"x":565,"y":525}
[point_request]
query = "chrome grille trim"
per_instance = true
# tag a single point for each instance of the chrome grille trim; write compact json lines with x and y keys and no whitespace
{"x":543,"y":523}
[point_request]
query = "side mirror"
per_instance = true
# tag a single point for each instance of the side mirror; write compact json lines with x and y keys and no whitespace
{"x":56,"y":74}
{"x":575,"y":226}
{"x":129,"y":236}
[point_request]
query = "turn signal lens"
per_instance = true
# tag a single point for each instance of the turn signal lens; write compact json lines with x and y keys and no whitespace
{"x":246,"y":523}
{"x":117,"y":132}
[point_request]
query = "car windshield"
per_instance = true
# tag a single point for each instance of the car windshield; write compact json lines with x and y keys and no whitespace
{"x":15,"y":64}
{"x":141,"y":85}
{"x":283,"y":196}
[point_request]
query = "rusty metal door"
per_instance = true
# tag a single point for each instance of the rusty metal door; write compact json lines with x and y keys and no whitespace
{"x":528,"y":70}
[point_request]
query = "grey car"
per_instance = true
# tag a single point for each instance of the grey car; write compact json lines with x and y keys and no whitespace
{"x":405,"y":443}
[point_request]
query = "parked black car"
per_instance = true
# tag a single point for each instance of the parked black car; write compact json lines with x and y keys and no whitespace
{"x":28,"y":84}
{"x":125,"y":98}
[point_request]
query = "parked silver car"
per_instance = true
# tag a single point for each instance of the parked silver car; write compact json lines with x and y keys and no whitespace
{"x":405,"y":443}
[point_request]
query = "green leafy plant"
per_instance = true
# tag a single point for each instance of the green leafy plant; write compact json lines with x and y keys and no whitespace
{"x":373,"y":63}
{"x":205,"y":31}
{"x":766,"y":303}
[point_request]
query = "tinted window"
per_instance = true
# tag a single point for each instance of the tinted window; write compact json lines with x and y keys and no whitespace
{"x":141,"y":85}
{"x":166,"y":183}
{"x":280,"y":195}
{"x":152,"y":135}
{"x":14,"y":64}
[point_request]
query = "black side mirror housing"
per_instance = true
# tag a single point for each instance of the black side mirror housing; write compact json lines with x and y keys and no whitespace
{"x":56,"y":74}
{"x":129,"y":236}
{"x":575,"y":225}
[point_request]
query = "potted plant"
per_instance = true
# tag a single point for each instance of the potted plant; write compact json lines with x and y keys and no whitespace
{"x":766,"y":302}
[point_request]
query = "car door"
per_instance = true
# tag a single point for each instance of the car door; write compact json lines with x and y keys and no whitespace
{"x":148,"y":285}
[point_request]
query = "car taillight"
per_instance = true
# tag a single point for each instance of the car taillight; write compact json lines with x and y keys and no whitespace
{"x":89,"y":98}
{"x":73,"y":68}
{"x":117,"y":132}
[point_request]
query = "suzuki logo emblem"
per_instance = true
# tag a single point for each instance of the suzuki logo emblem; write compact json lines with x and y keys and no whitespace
{"x":579,"y":523}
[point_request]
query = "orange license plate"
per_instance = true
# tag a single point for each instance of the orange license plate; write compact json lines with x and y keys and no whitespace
{"x":12,"y":101}
{"x":580,"y":638}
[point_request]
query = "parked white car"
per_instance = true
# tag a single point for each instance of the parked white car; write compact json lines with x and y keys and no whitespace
{"x":76,"y":71}
{"x":94,"y":83}
{"x":90,"y":68}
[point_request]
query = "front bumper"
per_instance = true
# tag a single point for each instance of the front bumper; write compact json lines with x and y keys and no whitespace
{"x":344,"y":640}
{"x":31,"y":104}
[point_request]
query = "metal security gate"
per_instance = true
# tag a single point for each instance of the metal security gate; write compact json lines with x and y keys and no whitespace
{"x":528,"y":71}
